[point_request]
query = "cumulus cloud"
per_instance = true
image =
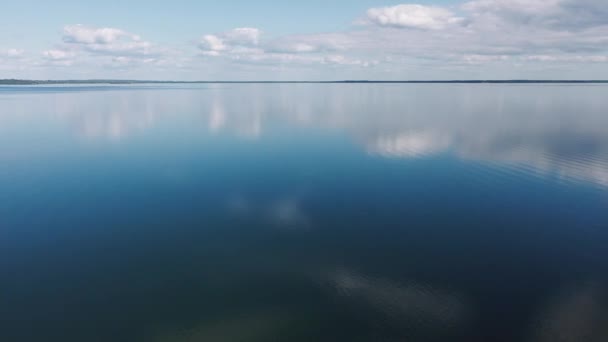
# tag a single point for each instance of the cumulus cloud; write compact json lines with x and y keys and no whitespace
{"x":501,"y":33}
{"x":110,"y":41}
{"x":505,"y":33}
{"x":413,"y":16}
{"x":244,"y":45}
{"x":233,"y":40}
{"x":88,"y":35}
{"x":432,"y":41}
{"x":212,"y":44}
{"x":88,"y":48}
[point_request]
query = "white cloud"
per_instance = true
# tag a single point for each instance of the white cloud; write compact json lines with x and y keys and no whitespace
{"x":57,"y":54}
{"x":11,"y":53}
{"x":81,"y":34}
{"x":475,"y":59}
{"x":244,"y":45}
{"x":243,"y":36}
{"x":86,"y":48}
{"x":567,"y":58}
{"x":235,"y":39}
{"x":500,"y":33}
{"x":404,"y":41}
{"x":109,"y":41}
{"x":413,"y":16}
{"x":212,"y":43}
{"x":343,"y":60}
{"x":297,"y":47}
{"x":12,"y":60}
{"x":316,"y":43}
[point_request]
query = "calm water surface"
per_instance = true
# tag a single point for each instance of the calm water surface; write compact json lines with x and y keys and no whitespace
{"x":363,"y":212}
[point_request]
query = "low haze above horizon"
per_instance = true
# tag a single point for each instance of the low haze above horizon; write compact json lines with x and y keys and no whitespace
{"x":311,"y":40}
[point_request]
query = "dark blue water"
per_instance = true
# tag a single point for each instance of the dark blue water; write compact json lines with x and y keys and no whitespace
{"x":302,"y":212}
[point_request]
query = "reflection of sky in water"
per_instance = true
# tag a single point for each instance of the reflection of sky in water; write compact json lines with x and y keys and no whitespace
{"x":553,"y":130}
{"x":247,"y":212}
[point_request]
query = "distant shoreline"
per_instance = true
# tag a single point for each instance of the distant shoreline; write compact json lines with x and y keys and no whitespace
{"x":64,"y":82}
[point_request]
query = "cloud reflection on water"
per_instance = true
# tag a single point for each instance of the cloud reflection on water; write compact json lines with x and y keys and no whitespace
{"x":553,"y":130}
{"x":284,"y":212}
{"x":429,"y":307}
{"x":576,"y":315}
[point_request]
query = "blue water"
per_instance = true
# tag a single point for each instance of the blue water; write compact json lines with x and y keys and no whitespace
{"x":304,"y":212}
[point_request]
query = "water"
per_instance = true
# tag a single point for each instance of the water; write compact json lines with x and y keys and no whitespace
{"x":303,"y":212}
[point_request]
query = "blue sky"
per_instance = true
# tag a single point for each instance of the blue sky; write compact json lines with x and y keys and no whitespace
{"x":314,"y":39}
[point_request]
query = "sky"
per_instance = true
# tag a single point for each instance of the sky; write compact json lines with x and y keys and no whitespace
{"x":304,"y":40}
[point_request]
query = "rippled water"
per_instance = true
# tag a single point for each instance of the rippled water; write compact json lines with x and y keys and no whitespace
{"x":303,"y":212}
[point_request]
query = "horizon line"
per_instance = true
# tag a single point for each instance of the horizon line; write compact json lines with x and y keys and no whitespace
{"x":132,"y":81}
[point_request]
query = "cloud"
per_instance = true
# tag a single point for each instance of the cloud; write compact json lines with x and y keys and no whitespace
{"x":108,"y":41}
{"x":11,"y":53}
{"x":58,"y":58}
{"x":344,"y":60}
{"x":233,"y":40}
{"x":212,"y":44}
{"x":413,"y":16}
{"x":12,"y":60}
{"x":245,"y":36}
{"x":57,"y":54}
{"x":559,"y":14}
{"x":512,"y":8}
{"x":296,"y":47}
{"x":316,"y":43}
{"x":498,"y":33}
{"x":502,"y":33}
{"x":81,"y":34}
{"x":475,"y":59}
{"x":88,"y":48}
{"x":567,"y":58}
{"x":499,"y":38}
{"x":244,"y":45}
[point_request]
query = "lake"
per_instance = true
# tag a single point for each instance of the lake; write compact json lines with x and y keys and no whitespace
{"x":304,"y":212}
